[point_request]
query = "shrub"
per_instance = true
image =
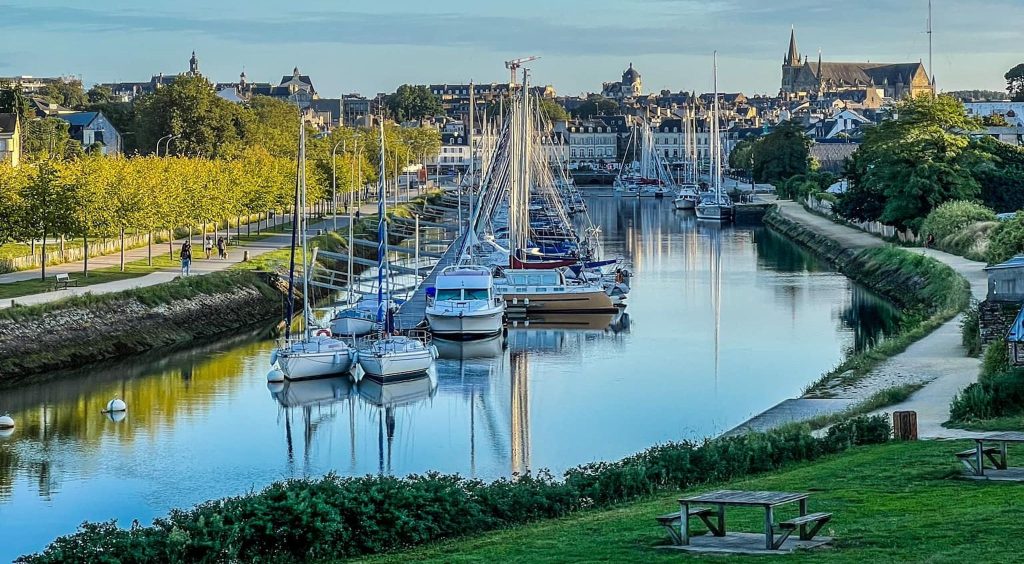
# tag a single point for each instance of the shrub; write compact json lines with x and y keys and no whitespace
{"x":998,"y":392}
{"x":970,"y":330}
{"x":333,"y":518}
{"x":960,"y":227}
{"x":1007,"y":240}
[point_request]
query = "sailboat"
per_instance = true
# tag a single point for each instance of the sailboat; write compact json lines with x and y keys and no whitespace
{"x":688,"y":193}
{"x":715,"y":205}
{"x":311,"y":355}
{"x":388,"y":354}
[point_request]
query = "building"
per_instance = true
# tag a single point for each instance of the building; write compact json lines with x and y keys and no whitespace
{"x":1012,"y":112}
{"x":10,"y":139}
{"x":592,"y":143}
{"x":356,"y":111}
{"x":669,"y":140}
{"x":35,"y":85}
{"x":93,"y":129}
{"x":455,"y":97}
{"x":556,"y":146}
{"x":454,"y":153}
{"x":630,"y":86}
{"x":801,"y":77}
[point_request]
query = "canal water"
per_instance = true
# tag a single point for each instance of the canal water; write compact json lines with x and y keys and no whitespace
{"x":722,"y":323}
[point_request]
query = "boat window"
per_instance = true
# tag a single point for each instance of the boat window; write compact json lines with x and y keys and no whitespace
{"x":536,"y":280}
{"x":477,"y":294}
{"x":449,"y":295}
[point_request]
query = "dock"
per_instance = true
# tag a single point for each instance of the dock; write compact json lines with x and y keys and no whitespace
{"x":413,"y":311}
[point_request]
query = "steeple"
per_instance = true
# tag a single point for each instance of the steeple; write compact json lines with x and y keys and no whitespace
{"x":193,"y":65}
{"x":793,"y":57}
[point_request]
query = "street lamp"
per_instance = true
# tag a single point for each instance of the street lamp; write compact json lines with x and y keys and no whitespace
{"x":334,"y":179}
{"x":161,"y":140}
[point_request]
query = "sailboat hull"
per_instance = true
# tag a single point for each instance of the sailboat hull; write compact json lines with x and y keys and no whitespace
{"x":358,"y":326}
{"x":714,"y":212}
{"x":307,"y":365}
{"x":684,"y":204}
{"x":396,"y":364}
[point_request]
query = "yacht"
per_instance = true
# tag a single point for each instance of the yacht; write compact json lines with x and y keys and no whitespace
{"x":687,"y":198}
{"x":464,"y":304}
{"x":549,"y":290}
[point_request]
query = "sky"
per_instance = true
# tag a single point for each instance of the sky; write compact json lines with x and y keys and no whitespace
{"x":369,"y":47}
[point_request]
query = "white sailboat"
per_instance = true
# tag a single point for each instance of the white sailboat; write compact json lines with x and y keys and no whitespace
{"x":464,"y":304}
{"x":715,"y":205}
{"x":311,"y":355}
{"x":688,"y":194}
{"x":387,"y":354}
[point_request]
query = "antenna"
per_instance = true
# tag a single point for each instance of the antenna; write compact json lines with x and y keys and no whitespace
{"x":931,"y":70}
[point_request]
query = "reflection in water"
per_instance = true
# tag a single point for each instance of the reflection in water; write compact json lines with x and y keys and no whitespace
{"x":722,"y":322}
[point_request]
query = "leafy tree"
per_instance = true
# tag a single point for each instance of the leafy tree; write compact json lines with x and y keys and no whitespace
{"x":14,"y":101}
{"x":203,"y":123}
{"x":742,"y":155}
{"x":272,"y":124}
{"x":66,"y":93}
{"x":999,"y":168}
{"x":782,"y":154}
{"x":909,"y":165}
{"x":1015,"y":82}
{"x":49,"y":205}
{"x":552,"y":110}
{"x":994,"y":120}
{"x":12,"y":185}
{"x":413,"y":103}
{"x":99,"y":94}
{"x":48,"y":138}
{"x":596,"y":105}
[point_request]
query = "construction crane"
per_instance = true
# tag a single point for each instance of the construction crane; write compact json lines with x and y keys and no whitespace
{"x":514,"y":65}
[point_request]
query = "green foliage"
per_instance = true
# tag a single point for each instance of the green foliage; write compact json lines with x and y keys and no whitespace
{"x":413,"y":103}
{"x":960,"y":228}
{"x":596,"y":105}
{"x":99,"y":94}
{"x":203,"y":123}
{"x":14,"y":101}
{"x":782,"y":154}
{"x":994,"y":120}
{"x":1007,"y":240}
{"x":742,"y":155}
{"x":552,"y":110}
{"x":334,"y":517}
{"x":970,"y":330}
{"x":977,"y":95}
{"x":999,"y":391}
{"x":49,"y":138}
{"x":1015,"y":82}
{"x":67,"y":93}
{"x":999,"y":168}
{"x":909,"y":165}
{"x":800,"y":186}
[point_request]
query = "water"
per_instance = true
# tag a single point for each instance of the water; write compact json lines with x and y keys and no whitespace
{"x":722,"y":323}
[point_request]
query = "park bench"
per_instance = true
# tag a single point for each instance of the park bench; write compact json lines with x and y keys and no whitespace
{"x":801,"y":522}
{"x":969,"y":458}
{"x":63,"y":281}
{"x":672,"y":522}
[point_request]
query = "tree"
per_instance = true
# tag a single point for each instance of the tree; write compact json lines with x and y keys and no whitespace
{"x":203,"y":123}
{"x":49,"y":138}
{"x":552,"y":110}
{"x":14,"y":101}
{"x":67,"y":93}
{"x":1015,"y":83}
{"x":413,"y":103}
{"x":742,"y":155}
{"x":99,"y":94}
{"x":994,"y":120}
{"x":782,"y":154}
{"x":910,"y":164}
{"x":596,"y":105}
{"x":999,"y":168}
{"x":49,"y":205}
{"x":12,"y":184}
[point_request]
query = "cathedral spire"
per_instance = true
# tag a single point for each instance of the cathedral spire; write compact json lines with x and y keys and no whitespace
{"x":793,"y":57}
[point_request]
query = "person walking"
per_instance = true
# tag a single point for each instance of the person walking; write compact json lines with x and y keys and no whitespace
{"x":186,"y":258}
{"x":221,"y":248}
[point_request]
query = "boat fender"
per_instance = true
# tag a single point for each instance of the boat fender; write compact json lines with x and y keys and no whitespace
{"x":275,"y":375}
{"x":323,"y":333}
{"x":337,"y":358}
{"x":273,"y":356}
{"x":526,"y":302}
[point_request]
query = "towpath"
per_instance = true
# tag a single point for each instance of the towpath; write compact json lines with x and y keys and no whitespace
{"x":938,"y":360}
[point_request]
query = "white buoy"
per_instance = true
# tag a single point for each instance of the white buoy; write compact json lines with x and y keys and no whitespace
{"x":116,"y":405}
{"x":6,"y":422}
{"x":275,"y":375}
{"x":116,"y":416}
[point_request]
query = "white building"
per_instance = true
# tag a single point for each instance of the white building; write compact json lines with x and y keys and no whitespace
{"x":591,"y":143}
{"x":669,"y":140}
{"x":556,"y":147}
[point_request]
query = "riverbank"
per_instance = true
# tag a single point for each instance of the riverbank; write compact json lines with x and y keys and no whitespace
{"x":931,"y":287}
{"x":91,"y":328}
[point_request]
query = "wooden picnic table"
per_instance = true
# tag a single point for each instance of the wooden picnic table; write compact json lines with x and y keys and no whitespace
{"x":975,"y":461}
{"x":767,"y":500}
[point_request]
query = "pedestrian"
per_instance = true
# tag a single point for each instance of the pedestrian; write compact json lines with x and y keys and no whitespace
{"x":221,"y":250}
{"x":357,"y":214}
{"x":931,"y":241}
{"x":208,"y":246}
{"x":186,"y":258}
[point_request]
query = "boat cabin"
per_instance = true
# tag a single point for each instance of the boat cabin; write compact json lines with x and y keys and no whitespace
{"x":463,"y":284}
{"x":534,"y":278}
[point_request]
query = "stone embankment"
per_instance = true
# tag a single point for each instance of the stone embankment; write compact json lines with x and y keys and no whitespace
{"x":88,"y":329}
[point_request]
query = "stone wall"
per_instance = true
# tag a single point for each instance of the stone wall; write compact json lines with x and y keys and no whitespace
{"x":92,"y":330}
{"x":995,"y":319}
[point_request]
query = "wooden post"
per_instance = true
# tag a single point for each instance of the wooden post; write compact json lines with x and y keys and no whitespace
{"x":245,"y":256}
{"x":417,"y":259}
{"x":769,"y":528}
{"x":904,"y":425}
{"x":684,"y":522}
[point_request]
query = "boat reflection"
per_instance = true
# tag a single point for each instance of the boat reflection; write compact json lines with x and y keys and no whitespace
{"x":391,"y":394}
{"x":465,"y":350}
{"x":614,"y":322}
{"x":320,"y":391}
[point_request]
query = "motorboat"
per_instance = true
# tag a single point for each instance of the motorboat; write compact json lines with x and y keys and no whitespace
{"x":687,"y":197}
{"x":549,"y":290}
{"x":715,"y":206}
{"x":464,"y":304}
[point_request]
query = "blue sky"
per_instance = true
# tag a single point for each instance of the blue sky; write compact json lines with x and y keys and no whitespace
{"x":369,"y":47}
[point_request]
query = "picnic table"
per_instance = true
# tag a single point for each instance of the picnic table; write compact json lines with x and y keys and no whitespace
{"x":974,"y":459}
{"x":767,"y":500}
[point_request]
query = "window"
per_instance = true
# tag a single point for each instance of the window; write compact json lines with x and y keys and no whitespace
{"x":449,"y":294}
{"x":477,"y":294}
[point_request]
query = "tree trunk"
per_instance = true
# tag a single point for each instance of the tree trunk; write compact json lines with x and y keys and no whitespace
{"x":122,"y":249}
{"x":170,"y":243}
{"x":238,"y":227}
{"x":44,"y":254}
{"x":85,"y":249}
{"x":149,"y":240}
{"x":62,"y":247}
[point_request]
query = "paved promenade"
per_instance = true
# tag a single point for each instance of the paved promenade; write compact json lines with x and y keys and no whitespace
{"x":938,"y":360}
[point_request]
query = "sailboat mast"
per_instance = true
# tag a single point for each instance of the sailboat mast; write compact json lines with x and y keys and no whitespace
{"x":472,"y":153}
{"x":302,"y":227}
{"x":289,"y":308}
{"x":382,"y":233}
{"x":715,"y":129}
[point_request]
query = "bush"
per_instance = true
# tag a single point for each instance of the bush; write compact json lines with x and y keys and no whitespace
{"x":1007,"y":240}
{"x":960,"y":227}
{"x":970,"y":330}
{"x":998,"y":392}
{"x":333,"y":518}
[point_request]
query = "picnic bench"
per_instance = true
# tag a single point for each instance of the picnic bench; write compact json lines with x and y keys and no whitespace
{"x":63,"y":280}
{"x":808,"y":524}
{"x":994,"y":452}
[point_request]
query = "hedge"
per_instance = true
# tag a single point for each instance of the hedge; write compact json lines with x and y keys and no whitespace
{"x":335,"y":517}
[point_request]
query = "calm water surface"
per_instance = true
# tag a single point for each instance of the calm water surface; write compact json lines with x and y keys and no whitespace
{"x":722,"y":323}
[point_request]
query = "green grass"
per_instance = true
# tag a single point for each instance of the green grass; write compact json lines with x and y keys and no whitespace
{"x":891,"y":503}
{"x":132,"y":269}
{"x":876,"y":401}
{"x":1005,"y":423}
{"x":21,"y":250}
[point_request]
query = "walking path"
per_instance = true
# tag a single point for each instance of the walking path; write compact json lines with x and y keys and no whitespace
{"x":937,"y":360}
{"x":199,"y":267}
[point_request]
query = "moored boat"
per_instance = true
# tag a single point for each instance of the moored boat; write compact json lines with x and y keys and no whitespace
{"x":465,"y":304}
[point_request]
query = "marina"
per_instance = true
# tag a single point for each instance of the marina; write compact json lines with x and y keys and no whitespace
{"x":202,"y":423}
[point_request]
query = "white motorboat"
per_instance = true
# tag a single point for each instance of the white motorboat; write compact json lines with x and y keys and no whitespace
{"x":464,"y":304}
{"x":548,"y":290}
{"x":396,"y":355}
{"x":687,"y":198}
{"x":308,"y":355}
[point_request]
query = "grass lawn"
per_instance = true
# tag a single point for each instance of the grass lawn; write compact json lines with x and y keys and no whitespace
{"x":103,"y":275}
{"x":1007,"y":423}
{"x":899,"y":502}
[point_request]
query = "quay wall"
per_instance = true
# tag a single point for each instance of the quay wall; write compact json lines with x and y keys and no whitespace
{"x":88,"y":329}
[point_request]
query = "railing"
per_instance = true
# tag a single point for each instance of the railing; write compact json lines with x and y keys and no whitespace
{"x":880,"y":229}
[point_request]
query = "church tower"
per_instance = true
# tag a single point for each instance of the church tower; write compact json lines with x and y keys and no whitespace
{"x":193,"y":65}
{"x":791,"y":65}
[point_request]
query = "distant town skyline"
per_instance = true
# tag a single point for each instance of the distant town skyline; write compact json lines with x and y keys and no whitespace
{"x":582,"y":44}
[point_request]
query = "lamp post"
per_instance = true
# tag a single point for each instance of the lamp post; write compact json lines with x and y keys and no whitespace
{"x":161,"y":140}
{"x":334,"y":179}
